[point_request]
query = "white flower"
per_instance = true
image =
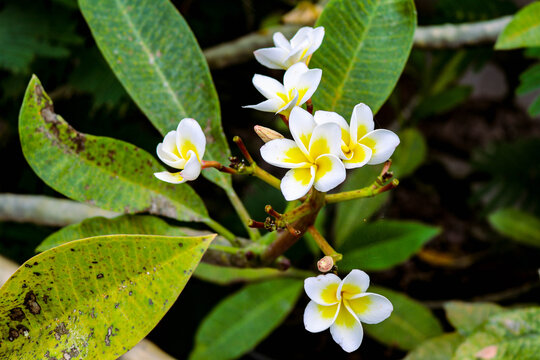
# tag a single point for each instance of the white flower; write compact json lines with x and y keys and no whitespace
{"x":299,"y":83}
{"x":312,"y":156}
{"x":360,"y":144}
{"x":341,"y":305}
{"x":285,"y":53}
{"x":182,"y":149}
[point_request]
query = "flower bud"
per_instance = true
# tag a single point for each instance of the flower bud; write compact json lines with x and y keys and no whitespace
{"x":325,"y":264}
{"x":267,"y":134}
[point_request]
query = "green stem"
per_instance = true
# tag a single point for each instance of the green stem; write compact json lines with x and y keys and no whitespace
{"x":224,"y":248}
{"x":242,"y":213}
{"x":265,"y":176}
{"x":368,"y":191}
{"x":221,"y":230}
{"x":325,"y":247}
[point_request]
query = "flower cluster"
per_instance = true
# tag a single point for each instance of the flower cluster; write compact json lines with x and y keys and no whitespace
{"x":342,"y":305}
{"x":324,"y":145}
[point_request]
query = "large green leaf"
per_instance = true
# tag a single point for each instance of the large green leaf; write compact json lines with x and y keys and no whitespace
{"x":153,"y":52}
{"x":523,"y":30}
{"x":467,"y":317}
{"x":510,"y":335}
{"x":126,"y":224}
{"x":101,"y":171}
{"x":366,"y":46}
{"x":242,"y":320}
{"x":438,"y":348}
{"x":409,"y":155}
{"x":383,"y":244}
{"x":410,"y":324}
{"x":517,"y":225}
{"x":94,"y":298}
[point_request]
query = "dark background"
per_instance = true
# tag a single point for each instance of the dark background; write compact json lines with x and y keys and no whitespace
{"x":444,"y":191}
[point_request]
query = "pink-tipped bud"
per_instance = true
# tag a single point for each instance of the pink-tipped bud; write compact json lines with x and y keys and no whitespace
{"x":267,"y":134}
{"x":325,"y":264}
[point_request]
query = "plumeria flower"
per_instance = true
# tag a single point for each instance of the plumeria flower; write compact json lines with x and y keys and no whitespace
{"x":312,"y":156}
{"x":182,"y":149}
{"x":285,"y":53}
{"x":299,"y":83}
{"x":342,"y":305}
{"x":360,"y":143}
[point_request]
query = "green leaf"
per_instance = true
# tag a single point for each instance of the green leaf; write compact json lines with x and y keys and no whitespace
{"x":467,"y":317}
{"x":364,"y":51}
{"x":438,"y":348}
{"x":410,"y":324}
{"x":529,"y":80}
{"x":517,"y":225}
{"x":352,"y":214}
{"x":506,"y":336}
{"x":94,"y":298}
{"x":383,"y":244}
{"x":409,"y":155}
{"x":523,"y":30}
{"x":126,"y":224}
{"x":241,"y":321}
{"x":101,"y":171}
{"x":154,"y":54}
{"x":534,"y":109}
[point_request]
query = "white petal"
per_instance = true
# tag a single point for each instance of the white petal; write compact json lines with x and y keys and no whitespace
{"x":267,"y":86}
{"x":316,"y":40}
{"x":281,"y":42}
{"x":361,"y":154}
{"x":292,"y":76}
{"x":301,"y":35}
{"x":273,"y":58}
{"x":361,"y":122}
{"x":167,"y":151}
{"x":347,"y":331}
{"x":301,"y":124}
{"x":382,"y":143}
{"x":323,"y":289}
{"x":326,"y":139}
{"x":286,"y":109}
{"x":284,"y":153}
{"x":308,"y":83}
{"x":353,"y":284}
{"x":297,"y":54}
{"x":330,"y":172}
{"x":271,"y":105}
{"x":192,"y":170}
{"x":189,"y":136}
{"x":173,"y":178}
{"x":318,"y":318}
{"x":371,"y":308}
{"x":297,"y":182}
{"x":323,"y":117}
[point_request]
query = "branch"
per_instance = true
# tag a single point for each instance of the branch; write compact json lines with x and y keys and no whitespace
{"x":44,"y":210}
{"x":458,"y":35}
{"x":426,"y":37}
{"x":144,"y":350}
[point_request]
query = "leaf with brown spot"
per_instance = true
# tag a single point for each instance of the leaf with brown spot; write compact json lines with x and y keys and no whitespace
{"x":105,"y":172}
{"x":87,"y":317}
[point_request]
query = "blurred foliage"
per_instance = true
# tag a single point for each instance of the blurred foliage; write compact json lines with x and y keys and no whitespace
{"x":513,"y":176}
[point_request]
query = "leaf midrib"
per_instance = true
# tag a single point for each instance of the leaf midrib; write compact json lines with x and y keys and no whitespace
{"x":159,"y":71}
{"x":359,"y":46}
{"x":149,"y":55}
